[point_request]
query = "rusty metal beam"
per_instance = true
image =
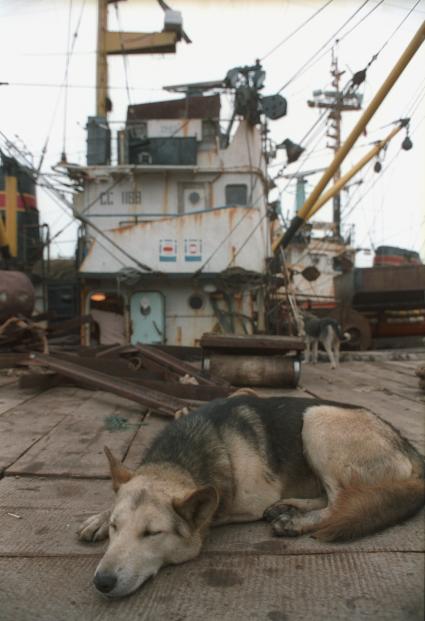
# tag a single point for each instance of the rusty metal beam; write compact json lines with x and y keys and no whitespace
{"x":153,"y":399}
{"x":9,"y":360}
{"x":178,"y":366}
{"x":255,"y":344}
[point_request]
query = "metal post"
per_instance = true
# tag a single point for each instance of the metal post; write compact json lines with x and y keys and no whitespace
{"x":337,"y":144}
{"x":11,"y":194}
{"x":101,"y":59}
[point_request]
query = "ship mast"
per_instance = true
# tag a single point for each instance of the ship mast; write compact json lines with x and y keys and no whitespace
{"x":336,"y":101}
{"x":123,"y":43}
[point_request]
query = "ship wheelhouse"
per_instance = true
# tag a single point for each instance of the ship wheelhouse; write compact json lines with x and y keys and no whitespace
{"x":175,"y":236}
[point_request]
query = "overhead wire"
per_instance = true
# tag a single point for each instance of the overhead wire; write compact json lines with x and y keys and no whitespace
{"x":321,"y":48}
{"x":61,"y":86}
{"x":294,"y":32}
{"x":383,"y":46}
{"x":65,"y":99}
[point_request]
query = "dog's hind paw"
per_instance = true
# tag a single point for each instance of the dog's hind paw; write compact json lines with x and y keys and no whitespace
{"x":279,"y":511}
{"x":285,"y":528}
{"x":95,"y":528}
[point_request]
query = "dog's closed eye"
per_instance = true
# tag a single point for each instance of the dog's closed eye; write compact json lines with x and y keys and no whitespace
{"x":151,"y":533}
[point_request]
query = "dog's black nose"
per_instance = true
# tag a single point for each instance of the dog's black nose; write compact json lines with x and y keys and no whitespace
{"x":104,"y":582}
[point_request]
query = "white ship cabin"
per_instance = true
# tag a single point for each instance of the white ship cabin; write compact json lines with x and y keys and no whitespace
{"x":175,"y":236}
{"x":330,"y":257}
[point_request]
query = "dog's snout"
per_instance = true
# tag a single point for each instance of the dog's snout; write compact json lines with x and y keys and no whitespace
{"x":104,"y":581}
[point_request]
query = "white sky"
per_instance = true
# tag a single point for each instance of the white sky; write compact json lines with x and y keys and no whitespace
{"x":225,"y":33}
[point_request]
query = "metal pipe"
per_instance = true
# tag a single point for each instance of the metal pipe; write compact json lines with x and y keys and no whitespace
{"x":391,"y":79}
{"x":101,"y":58}
{"x":11,"y":193}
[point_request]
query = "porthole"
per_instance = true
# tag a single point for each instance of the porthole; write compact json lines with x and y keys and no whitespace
{"x":194,"y":198}
{"x":196,"y":301}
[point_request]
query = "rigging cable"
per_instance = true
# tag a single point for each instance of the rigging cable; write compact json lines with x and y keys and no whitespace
{"x":65,"y":98}
{"x":360,"y":76}
{"x":322,"y":47}
{"x":316,"y":59}
{"x":57,"y":194}
{"x":397,"y":28}
{"x":71,"y":51}
{"x":294,"y":32}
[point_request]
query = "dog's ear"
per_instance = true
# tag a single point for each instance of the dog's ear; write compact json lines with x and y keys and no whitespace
{"x":198,"y":508}
{"x":119,"y":473}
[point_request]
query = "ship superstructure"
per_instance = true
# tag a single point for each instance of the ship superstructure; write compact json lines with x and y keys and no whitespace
{"x":187,"y":207}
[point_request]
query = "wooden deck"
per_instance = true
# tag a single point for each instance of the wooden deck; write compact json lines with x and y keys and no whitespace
{"x":54,"y":474}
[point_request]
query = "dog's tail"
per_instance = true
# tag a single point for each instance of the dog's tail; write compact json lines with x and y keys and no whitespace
{"x":336,"y":327}
{"x":360,"y":510}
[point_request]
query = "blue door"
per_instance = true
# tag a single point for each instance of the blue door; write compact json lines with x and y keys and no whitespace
{"x":147,"y":314}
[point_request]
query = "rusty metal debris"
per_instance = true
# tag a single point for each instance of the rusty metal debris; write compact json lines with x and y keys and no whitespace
{"x":146,"y":374}
{"x":157,"y":380}
{"x":161,"y":403}
{"x":23,"y":334}
{"x":253,"y":360}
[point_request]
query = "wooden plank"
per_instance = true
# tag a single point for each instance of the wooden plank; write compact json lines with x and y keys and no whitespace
{"x":24,"y":425}
{"x":384,"y":586}
{"x":50,"y":511}
{"x":40,"y":516}
{"x":74,"y":447}
{"x":383,"y":379}
{"x":12,"y":395}
{"x":144,"y":436}
{"x":384,"y":370}
{"x":406,"y":370}
{"x":406,"y":415}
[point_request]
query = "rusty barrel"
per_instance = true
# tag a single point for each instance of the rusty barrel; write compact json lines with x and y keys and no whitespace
{"x":260,"y":371}
{"x":17,"y":295}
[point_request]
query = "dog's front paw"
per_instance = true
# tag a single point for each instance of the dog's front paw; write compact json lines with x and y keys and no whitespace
{"x":95,"y":528}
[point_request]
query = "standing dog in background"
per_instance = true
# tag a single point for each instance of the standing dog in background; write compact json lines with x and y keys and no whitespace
{"x":326,"y":331}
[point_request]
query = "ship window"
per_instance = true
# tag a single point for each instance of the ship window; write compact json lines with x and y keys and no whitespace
{"x":209,"y":130}
{"x":192,"y":197}
{"x":196,"y":301}
{"x":236,"y":194}
{"x":137,"y":131}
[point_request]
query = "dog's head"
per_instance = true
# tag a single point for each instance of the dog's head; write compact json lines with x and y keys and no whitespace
{"x":150,"y":527}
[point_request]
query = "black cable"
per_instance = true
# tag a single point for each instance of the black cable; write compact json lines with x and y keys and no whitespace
{"x":69,"y":55}
{"x":294,"y":32}
{"x":314,"y":56}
